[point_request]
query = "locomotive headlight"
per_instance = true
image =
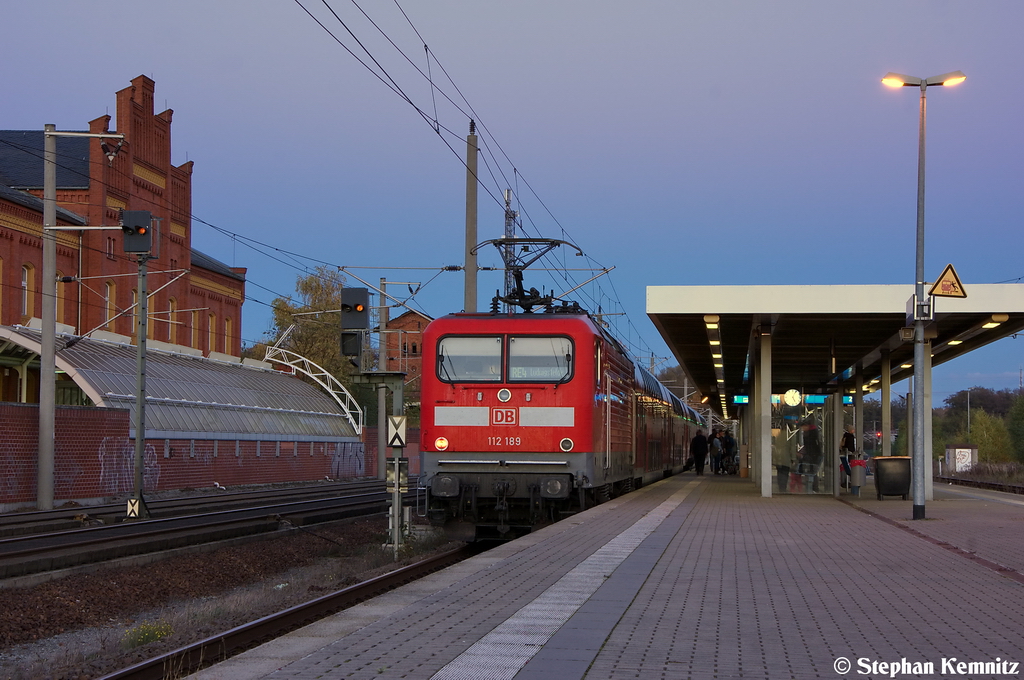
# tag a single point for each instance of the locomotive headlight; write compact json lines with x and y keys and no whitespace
{"x":554,"y":487}
{"x":566,"y":445}
{"x":441,"y":443}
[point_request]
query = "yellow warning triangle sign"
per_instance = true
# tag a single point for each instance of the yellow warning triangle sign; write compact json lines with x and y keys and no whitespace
{"x":948,"y":285}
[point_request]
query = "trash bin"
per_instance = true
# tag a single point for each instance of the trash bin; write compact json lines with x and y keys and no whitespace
{"x":858,"y":475}
{"x":892,"y":476}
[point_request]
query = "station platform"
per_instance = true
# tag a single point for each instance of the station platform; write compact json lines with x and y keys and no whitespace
{"x":699,"y":577}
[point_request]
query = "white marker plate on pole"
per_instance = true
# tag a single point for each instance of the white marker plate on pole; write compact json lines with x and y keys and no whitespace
{"x":396,"y":432}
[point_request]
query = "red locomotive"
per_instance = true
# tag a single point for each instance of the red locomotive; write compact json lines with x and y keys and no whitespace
{"x":528,"y":417}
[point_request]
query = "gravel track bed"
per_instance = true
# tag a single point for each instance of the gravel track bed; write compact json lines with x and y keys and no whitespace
{"x":83,"y":626}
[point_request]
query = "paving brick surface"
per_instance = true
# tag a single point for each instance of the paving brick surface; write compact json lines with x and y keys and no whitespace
{"x":783,"y":587}
{"x":693,"y":579}
{"x":988,"y":523}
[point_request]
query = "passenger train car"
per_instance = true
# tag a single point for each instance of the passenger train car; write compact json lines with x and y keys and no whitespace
{"x":528,"y":417}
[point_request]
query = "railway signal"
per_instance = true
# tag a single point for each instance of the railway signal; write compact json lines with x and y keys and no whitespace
{"x":135,"y":224}
{"x":355,"y":318}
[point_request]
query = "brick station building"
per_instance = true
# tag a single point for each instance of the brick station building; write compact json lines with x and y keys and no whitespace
{"x":200,"y":309}
{"x":210,"y":415}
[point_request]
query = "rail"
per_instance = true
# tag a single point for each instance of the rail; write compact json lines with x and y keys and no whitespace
{"x":33,"y":554}
{"x":977,"y":484}
{"x":216,"y":648}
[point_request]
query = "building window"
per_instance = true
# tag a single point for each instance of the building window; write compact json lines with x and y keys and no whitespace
{"x":27,"y":291}
{"x":212,"y":332}
{"x":133,"y":315}
{"x":228,"y":344}
{"x":110,"y":247}
{"x":195,"y":330}
{"x":60,"y":299}
{"x":171,"y":335}
{"x":109,"y":303}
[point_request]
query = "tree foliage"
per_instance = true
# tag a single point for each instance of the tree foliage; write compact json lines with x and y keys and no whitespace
{"x":314,"y":318}
{"x":993,"y":402}
{"x":1015,"y":427}
{"x":990,"y":435}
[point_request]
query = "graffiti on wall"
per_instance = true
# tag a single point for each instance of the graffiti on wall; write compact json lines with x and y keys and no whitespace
{"x":349,"y":460}
{"x":117,"y":466}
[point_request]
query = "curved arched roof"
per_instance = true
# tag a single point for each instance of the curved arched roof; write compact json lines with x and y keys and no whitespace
{"x":189,"y":395}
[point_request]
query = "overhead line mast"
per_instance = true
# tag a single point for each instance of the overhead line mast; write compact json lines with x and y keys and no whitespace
{"x":470,"y":301}
{"x":510,"y":233}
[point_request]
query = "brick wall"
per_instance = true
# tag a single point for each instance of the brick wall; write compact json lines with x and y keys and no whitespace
{"x":412,"y":450}
{"x":94,"y":458}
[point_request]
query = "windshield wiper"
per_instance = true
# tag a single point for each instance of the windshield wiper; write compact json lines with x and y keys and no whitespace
{"x":442,"y":357}
{"x":568,"y":371}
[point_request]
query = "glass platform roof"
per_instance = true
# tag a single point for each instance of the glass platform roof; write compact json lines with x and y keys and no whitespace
{"x":189,"y":396}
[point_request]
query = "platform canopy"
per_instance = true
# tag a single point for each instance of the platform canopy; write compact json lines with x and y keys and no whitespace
{"x":188,"y":396}
{"x":820,"y":335}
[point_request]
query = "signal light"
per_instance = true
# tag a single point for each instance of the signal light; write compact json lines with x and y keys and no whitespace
{"x":135,"y":225}
{"x":355,"y":305}
{"x":355,"y":318}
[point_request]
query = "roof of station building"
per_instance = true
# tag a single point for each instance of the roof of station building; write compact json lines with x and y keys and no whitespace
{"x":206,"y":262}
{"x":29,"y":201}
{"x":191,"y":395}
{"x":819,"y":334}
{"x":21,"y":160}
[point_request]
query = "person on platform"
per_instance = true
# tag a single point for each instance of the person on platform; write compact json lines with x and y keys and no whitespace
{"x":715,"y":446}
{"x":847,"y":450}
{"x":699,"y":450}
{"x":811,"y":456}
{"x":730,"y":462}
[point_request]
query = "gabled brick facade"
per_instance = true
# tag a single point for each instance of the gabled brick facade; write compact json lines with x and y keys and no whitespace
{"x":201,"y":309}
{"x":404,"y":350}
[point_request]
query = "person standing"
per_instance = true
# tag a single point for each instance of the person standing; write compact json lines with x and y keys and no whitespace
{"x":699,"y":450}
{"x":715,"y":445}
{"x":811,"y":455}
{"x":847,"y":450}
{"x":731,"y":462}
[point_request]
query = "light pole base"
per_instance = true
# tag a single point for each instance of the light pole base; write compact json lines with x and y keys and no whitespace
{"x":918,"y":512}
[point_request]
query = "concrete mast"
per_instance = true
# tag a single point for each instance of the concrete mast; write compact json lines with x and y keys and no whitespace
{"x":469,"y":304}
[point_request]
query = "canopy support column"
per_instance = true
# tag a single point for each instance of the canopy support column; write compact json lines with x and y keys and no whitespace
{"x":764,"y":404}
{"x":886,"y":405}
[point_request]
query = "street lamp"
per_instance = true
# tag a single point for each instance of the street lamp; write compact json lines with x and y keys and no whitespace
{"x":922,"y":308}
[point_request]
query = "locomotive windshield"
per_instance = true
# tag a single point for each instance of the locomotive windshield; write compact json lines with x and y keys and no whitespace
{"x":539,"y":359}
{"x":530,"y":358}
{"x":475,"y":359}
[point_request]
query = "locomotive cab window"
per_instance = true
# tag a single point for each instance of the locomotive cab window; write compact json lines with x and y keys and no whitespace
{"x":535,"y":358}
{"x":469,"y":359}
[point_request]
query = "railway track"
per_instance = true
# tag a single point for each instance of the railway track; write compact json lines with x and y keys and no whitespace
{"x":42,"y":552}
{"x":216,"y":648}
{"x":991,"y":486}
{"x":62,"y":519}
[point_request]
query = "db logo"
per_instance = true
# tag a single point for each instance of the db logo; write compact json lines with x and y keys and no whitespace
{"x":503,"y":416}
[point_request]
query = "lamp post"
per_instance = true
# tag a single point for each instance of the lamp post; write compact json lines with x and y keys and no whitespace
{"x":922,"y":307}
